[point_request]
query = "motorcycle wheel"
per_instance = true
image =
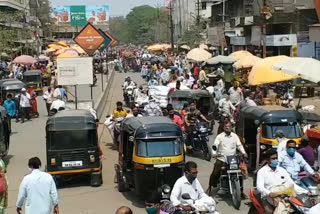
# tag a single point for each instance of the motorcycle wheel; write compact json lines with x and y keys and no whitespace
{"x":236,"y":196}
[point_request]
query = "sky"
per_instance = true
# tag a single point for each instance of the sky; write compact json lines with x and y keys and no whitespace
{"x":117,"y":7}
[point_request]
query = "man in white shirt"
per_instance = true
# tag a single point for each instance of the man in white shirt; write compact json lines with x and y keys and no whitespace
{"x":227,"y":144}
{"x":25,"y":105}
{"x":282,"y":141}
{"x":38,"y":190}
{"x":48,"y":97}
{"x":187,"y":184}
{"x":235,"y":92}
{"x":270,"y":176}
{"x":58,"y":104}
{"x":225,"y":105}
{"x":56,"y":93}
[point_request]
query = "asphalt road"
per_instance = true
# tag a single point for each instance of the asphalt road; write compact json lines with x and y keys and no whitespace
{"x":78,"y":196}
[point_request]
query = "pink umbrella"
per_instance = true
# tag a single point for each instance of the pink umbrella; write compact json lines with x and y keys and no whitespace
{"x":43,"y":57}
{"x":24,"y":60}
{"x":74,"y":53}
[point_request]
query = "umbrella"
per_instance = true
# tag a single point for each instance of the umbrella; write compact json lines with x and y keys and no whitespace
{"x":50,"y":50}
{"x":24,"y":60}
{"x":246,"y":62}
{"x":203,"y":46}
{"x":64,"y":55}
{"x":220,"y":59}
{"x":186,"y":47}
{"x":74,"y":53}
{"x":198,"y":55}
{"x":43,"y":57}
{"x":61,"y":51}
{"x":56,"y":47}
{"x":306,"y":68}
{"x":240,"y":54}
{"x":79,"y":50}
{"x":63,"y":44}
{"x":262,"y":72}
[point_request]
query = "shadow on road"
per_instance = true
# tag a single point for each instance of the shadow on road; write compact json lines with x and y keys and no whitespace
{"x":73,"y":182}
{"x":135,"y":200}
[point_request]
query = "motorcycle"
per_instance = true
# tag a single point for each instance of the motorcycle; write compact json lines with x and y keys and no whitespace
{"x":200,"y":141}
{"x":129,"y":95}
{"x":230,"y":179}
{"x":205,"y":205}
{"x":114,"y":125}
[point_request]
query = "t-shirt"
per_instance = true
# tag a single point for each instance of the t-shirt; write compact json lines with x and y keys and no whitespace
{"x":121,"y":113}
{"x":193,"y":116}
{"x":25,"y":100}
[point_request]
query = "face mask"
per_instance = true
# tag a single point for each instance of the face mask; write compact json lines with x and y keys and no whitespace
{"x":291,"y":151}
{"x":152,"y":210}
{"x":274,"y":163}
{"x":191,"y":177}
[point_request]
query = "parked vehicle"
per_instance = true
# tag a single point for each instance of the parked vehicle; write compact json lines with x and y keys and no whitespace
{"x":151,"y":155}
{"x":72,"y":146}
{"x":33,"y":78}
{"x":10,"y":86}
{"x":5,"y":131}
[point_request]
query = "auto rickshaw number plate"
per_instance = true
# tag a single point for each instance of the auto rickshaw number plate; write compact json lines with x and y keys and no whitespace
{"x":71,"y":163}
{"x":162,"y":161}
{"x":161,"y":165}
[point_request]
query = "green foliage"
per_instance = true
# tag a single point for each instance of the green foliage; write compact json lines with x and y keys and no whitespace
{"x":143,"y":25}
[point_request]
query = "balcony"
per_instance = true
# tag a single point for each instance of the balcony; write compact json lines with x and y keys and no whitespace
{"x":15,"y":4}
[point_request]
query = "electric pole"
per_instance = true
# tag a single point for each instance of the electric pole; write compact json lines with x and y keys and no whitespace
{"x":198,"y":12}
{"x":171,"y":26}
{"x":264,"y":30}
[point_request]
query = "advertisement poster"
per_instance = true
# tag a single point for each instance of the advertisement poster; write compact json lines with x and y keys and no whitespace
{"x":78,"y":15}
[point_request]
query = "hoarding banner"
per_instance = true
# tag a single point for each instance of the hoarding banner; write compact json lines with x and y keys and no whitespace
{"x":77,"y":14}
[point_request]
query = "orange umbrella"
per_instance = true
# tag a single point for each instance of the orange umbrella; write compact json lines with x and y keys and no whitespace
{"x":56,"y":47}
{"x":74,"y":53}
{"x":64,"y":55}
{"x":63,"y":44}
{"x":61,"y":51}
{"x":240,"y":54}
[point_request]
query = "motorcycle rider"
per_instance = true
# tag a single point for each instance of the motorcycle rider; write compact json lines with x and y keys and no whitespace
{"x":119,"y":111}
{"x":135,"y":112}
{"x":152,"y":108}
{"x":225,"y":106}
{"x":190,"y":119}
{"x":270,"y":176}
{"x":227,"y":144}
{"x":187,"y":184}
{"x":127,"y":82}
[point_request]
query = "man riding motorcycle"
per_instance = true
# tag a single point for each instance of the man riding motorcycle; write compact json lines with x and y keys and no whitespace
{"x":191,"y":118}
{"x":127,"y":83}
{"x":118,"y":115}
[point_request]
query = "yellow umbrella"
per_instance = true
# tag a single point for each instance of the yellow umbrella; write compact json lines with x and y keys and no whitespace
{"x":65,"y":55}
{"x":240,"y":54}
{"x":63,"y":44}
{"x":49,"y":50}
{"x":198,"y":55}
{"x":262,"y":72}
{"x":246,"y":62}
{"x":57,"y":47}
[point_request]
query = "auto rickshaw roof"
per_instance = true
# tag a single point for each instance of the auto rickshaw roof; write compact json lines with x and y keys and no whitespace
{"x":71,"y":120}
{"x":141,"y":125}
{"x":310,"y":116}
{"x":191,"y":94}
{"x":252,"y":112}
{"x":281,"y":116}
{"x":11,"y":84}
{"x":32,"y":73}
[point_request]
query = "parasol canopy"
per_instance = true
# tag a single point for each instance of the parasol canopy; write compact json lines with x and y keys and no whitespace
{"x":43,"y":57}
{"x":203,"y":46}
{"x":54,"y":46}
{"x":240,"y":54}
{"x":65,"y":55}
{"x":186,"y":47}
{"x":246,"y":62}
{"x":306,"y":68}
{"x":220,"y":59}
{"x":74,"y":53}
{"x":262,"y":72}
{"x":50,"y":50}
{"x":63,"y":44}
{"x":24,"y":60}
{"x":198,"y":55}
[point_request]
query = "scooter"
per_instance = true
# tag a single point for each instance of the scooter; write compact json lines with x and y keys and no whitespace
{"x":205,"y":205}
{"x":200,"y":141}
{"x":129,"y":97}
{"x":230,"y":179}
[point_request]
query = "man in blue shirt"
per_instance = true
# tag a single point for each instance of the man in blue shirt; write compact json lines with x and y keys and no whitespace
{"x":63,"y":93}
{"x":293,"y":162}
{"x":10,"y":106}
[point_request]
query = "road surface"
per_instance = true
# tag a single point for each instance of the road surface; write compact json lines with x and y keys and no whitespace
{"x":78,"y":197}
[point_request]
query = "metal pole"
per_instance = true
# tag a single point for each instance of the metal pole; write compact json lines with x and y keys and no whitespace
{"x":223,"y":10}
{"x":76,"y":95}
{"x":171,"y":27}
{"x":264,"y":37}
{"x":102,"y":82}
{"x":91,"y":92}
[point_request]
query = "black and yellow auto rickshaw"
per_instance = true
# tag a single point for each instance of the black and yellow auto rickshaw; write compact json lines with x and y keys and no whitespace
{"x":5,"y":131}
{"x":258,"y":123}
{"x":33,"y":78}
{"x":151,"y":155}
{"x":203,"y":99}
{"x":72,"y":146}
{"x":10,"y":86}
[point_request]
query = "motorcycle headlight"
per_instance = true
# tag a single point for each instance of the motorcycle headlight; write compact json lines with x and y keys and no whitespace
{"x":234,"y":166}
{"x":203,"y":129}
{"x":263,"y":147}
{"x":194,"y":132}
{"x":166,"y":189}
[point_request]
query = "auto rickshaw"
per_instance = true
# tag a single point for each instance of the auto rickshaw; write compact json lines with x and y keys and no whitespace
{"x":202,"y":98}
{"x":5,"y":131}
{"x":258,"y":123}
{"x":72,"y":146}
{"x":10,"y":86}
{"x":33,"y":78}
{"x":151,"y":155}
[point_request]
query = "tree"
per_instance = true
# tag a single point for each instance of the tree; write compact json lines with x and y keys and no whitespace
{"x":118,"y":28}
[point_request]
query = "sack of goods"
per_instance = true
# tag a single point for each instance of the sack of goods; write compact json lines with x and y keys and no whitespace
{"x":160,"y":94}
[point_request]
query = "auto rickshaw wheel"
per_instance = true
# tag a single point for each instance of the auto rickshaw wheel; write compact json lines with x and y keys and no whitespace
{"x":121,"y":183}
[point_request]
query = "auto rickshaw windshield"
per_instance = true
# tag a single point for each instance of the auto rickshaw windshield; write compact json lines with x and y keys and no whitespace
{"x":32,"y":78}
{"x":290,"y":130}
{"x":178,"y":103}
{"x":72,"y":139}
{"x":158,"y":148}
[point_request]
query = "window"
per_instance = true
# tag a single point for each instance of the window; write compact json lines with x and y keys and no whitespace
{"x":203,"y":5}
{"x":290,"y":130}
{"x":158,"y":148}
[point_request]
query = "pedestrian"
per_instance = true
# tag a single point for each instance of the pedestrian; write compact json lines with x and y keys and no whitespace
{"x":236,"y":95}
{"x":33,"y":101}
{"x":48,"y":97}
{"x":53,"y":82}
{"x":124,"y":210}
{"x":39,"y":191}
{"x":11,"y":107}
{"x":56,"y":93}
{"x":307,"y":151}
{"x":203,"y":77}
{"x":25,"y":105}
{"x":4,"y":194}
{"x":63,"y":93}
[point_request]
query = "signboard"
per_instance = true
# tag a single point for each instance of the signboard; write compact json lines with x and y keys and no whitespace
{"x":95,"y":14}
{"x":256,"y":36}
{"x":239,"y":40}
{"x":216,"y":36}
{"x":107,"y":40}
{"x":75,"y":71}
{"x":89,"y":39}
{"x":78,"y":15}
{"x":282,"y":40}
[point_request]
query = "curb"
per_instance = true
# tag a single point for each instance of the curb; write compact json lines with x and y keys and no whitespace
{"x":101,"y":103}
